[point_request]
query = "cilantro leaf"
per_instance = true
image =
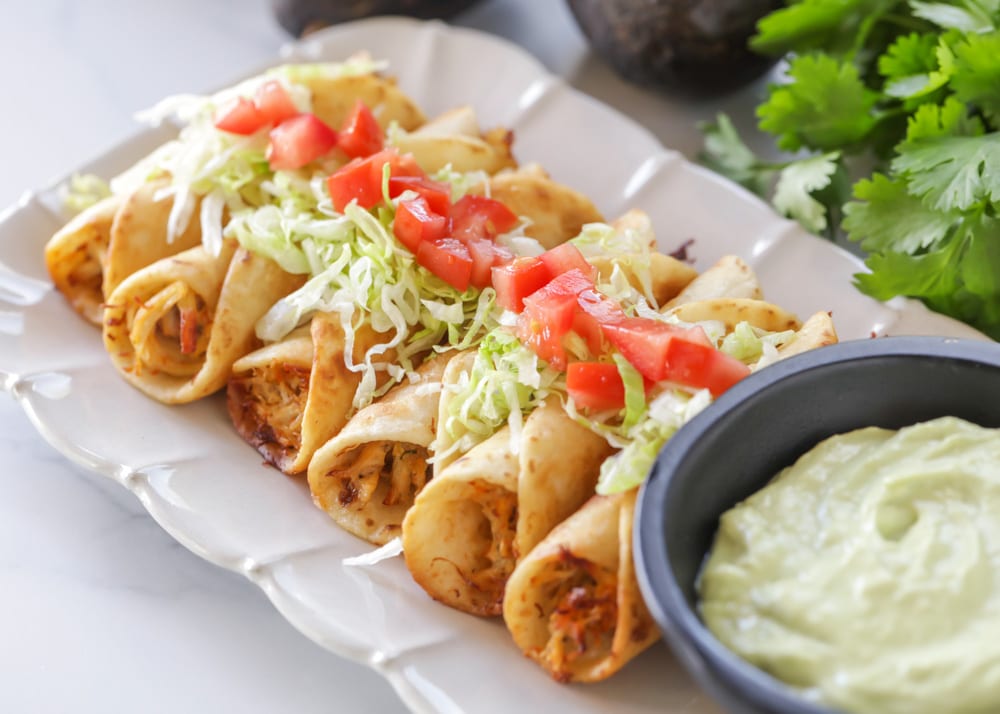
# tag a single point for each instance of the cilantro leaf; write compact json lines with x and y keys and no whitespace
{"x":725,"y":153}
{"x":796,"y":184}
{"x":825,"y":107}
{"x":929,"y":275}
{"x":976,"y":77}
{"x":948,"y":119}
{"x":950,"y":172}
{"x":886,"y":217}
{"x":835,"y":26}
{"x":910,"y":66}
{"x":966,"y":15}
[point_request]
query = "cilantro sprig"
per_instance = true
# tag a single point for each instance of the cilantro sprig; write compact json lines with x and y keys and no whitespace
{"x":905,"y":96}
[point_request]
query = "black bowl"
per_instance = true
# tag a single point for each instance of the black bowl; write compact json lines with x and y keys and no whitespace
{"x":758,"y":427}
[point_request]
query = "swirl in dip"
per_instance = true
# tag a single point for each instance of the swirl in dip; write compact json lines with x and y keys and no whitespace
{"x":866,"y":574}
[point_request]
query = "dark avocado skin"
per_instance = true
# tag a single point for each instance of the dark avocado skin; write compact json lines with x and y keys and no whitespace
{"x":299,"y":16}
{"x":696,"y":45}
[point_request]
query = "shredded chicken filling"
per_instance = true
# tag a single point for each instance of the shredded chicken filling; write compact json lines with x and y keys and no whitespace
{"x":494,"y":565}
{"x":403,"y":467}
{"x":584,"y":598}
{"x":170,"y":331}
{"x":272,"y":400}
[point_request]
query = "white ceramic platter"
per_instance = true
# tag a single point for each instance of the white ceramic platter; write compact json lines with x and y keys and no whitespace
{"x":209,"y":490}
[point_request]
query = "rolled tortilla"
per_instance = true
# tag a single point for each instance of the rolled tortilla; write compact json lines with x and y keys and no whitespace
{"x":455,"y":139}
{"x":729,"y":277}
{"x":75,"y":257}
{"x":471,"y":524}
{"x":289,"y":398}
{"x":139,"y":234}
{"x":175,"y":328}
{"x":367,"y":476}
{"x":334,"y":98}
{"x":557,"y":212}
{"x":573,"y":603}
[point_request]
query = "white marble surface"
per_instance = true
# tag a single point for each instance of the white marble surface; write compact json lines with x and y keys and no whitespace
{"x":101,"y":611}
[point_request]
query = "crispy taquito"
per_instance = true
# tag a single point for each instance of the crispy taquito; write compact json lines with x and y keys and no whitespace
{"x":573,"y":604}
{"x":482,"y":512}
{"x":369,"y":474}
{"x":289,"y":398}
{"x":75,"y":257}
{"x":175,"y":328}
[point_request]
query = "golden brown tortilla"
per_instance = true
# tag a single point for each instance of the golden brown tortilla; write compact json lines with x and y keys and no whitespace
{"x":290,"y":398}
{"x":75,"y":257}
{"x":368,"y":475}
{"x":471,"y":524}
{"x":573,"y":604}
{"x":175,"y":328}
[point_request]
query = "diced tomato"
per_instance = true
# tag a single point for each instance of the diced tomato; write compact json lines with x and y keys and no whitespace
{"x":702,"y":366}
{"x":484,"y":256}
{"x":415,"y":222}
{"x":273,"y":103}
{"x":566,"y":257}
{"x":361,"y":134}
{"x":590,"y":330}
{"x":595,"y":385}
{"x":298,"y":141}
{"x":239,"y":116}
{"x":519,"y":279}
{"x":448,"y":259}
{"x":438,"y":194}
{"x":481,"y":217}
{"x":603,"y":309}
{"x":361,"y":179}
{"x":548,"y":315}
{"x":644,"y":342}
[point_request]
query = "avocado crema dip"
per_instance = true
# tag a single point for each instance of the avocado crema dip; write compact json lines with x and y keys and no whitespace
{"x":867,"y":574}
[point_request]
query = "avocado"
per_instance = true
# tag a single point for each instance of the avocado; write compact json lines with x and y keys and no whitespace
{"x":696,"y":45}
{"x":301,"y":16}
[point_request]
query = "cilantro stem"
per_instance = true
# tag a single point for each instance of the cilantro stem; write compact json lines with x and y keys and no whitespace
{"x":905,"y":22}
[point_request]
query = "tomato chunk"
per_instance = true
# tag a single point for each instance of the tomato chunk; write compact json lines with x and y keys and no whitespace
{"x":595,"y":385}
{"x":590,"y":330}
{"x":239,"y":116}
{"x":361,"y":134}
{"x":448,"y":259}
{"x":361,"y":179}
{"x":566,"y":257}
{"x":273,"y":103}
{"x":645,"y":342}
{"x":548,"y":315}
{"x":480,"y":217}
{"x":702,"y":366}
{"x":299,"y":141}
{"x":415,"y":222}
{"x":519,"y":279}
{"x":600,"y":307}
{"x":437,"y":194}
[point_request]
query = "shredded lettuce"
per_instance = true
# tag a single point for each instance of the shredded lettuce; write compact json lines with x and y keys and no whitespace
{"x":667,"y":413}
{"x":506,"y":381}
{"x":754,"y":346}
{"x":630,"y":252}
{"x":361,"y":273}
{"x":83,"y":191}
